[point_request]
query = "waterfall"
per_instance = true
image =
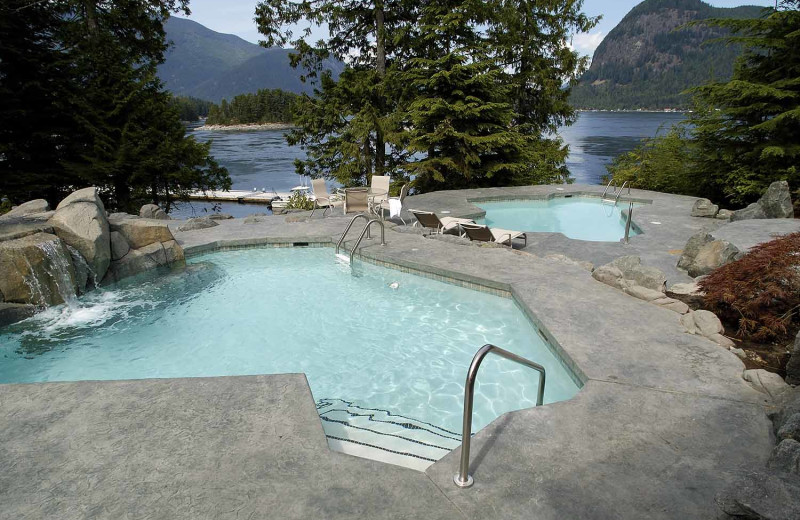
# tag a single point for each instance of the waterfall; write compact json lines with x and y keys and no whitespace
{"x":57,"y":267}
{"x":35,"y":287}
{"x":80,"y":263}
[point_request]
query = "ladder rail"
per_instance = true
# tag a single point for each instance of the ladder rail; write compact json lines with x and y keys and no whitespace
{"x":620,"y":191}
{"x":361,"y":236}
{"x":463,"y":478}
{"x":608,"y":186}
{"x":347,"y":229}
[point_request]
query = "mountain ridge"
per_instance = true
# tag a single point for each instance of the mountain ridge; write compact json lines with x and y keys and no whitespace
{"x":648,"y":60}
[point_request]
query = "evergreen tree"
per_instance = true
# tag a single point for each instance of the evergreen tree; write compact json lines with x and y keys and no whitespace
{"x":748,"y":129}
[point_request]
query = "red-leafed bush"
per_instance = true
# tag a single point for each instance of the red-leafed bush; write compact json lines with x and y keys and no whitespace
{"x":760,"y":292}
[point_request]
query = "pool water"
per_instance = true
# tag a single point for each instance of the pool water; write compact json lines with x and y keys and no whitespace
{"x":581,"y":218}
{"x":384,"y":362}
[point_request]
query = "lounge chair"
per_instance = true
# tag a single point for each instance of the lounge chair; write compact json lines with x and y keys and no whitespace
{"x":386,"y":205}
{"x":379,"y":192}
{"x":356,"y":200}
{"x":481,"y":233}
{"x":323,"y":199}
{"x":430,"y":220}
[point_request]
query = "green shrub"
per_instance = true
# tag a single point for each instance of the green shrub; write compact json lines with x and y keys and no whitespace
{"x":760,"y":292}
{"x":298,"y":200}
{"x":5,"y":205}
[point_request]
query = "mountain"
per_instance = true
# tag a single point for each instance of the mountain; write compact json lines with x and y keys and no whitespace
{"x":646,"y":61}
{"x":209,"y":65}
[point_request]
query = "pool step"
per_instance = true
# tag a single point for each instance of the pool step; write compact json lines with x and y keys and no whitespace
{"x":381,"y":435}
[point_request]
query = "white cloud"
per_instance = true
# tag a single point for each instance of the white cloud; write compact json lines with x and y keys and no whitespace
{"x":586,"y":43}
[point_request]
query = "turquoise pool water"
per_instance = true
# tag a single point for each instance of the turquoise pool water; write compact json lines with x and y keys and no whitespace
{"x":581,"y":218}
{"x":402,"y":351}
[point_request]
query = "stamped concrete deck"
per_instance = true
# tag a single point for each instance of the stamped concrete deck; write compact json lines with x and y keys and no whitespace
{"x":663,"y":422}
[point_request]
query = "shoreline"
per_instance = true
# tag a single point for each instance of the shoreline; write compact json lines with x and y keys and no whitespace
{"x":251,"y":126}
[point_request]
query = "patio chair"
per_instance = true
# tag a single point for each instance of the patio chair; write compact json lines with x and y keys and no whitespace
{"x":429,"y":220}
{"x":356,"y":200}
{"x":379,"y":188}
{"x":323,"y":199}
{"x":397,"y":202}
{"x":479,"y":233}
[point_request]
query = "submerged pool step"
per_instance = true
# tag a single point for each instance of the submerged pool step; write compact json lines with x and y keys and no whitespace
{"x":381,"y":435}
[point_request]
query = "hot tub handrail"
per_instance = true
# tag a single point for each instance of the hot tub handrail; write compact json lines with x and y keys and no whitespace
{"x":620,"y":191}
{"x":363,"y":232}
{"x":606,"y":190}
{"x":463,"y":478}
{"x":347,"y":229}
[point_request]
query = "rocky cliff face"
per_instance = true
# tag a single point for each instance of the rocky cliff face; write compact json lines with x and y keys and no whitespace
{"x":649,"y":58}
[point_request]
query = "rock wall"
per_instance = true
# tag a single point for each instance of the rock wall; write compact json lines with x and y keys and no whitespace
{"x":49,"y":257}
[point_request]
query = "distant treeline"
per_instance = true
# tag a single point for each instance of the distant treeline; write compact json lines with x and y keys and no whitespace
{"x":265,"y":106}
{"x":191,"y":108}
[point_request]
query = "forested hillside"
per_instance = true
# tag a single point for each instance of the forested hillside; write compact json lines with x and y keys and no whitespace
{"x":649,"y":59}
{"x":265,"y":106}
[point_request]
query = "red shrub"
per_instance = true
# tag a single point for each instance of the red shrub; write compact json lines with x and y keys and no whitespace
{"x":760,"y":291}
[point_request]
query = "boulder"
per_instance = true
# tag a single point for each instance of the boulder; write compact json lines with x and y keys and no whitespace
{"x":140,"y":232}
{"x":761,"y":495}
{"x":704,"y":208}
{"x":687,"y":320}
{"x":173,"y":252}
{"x":789,"y":405}
{"x":671,"y":304}
{"x":644,"y":276}
{"x":197,"y":223}
{"x":145,"y":258}
{"x":689,"y":293}
{"x":721,"y":340}
{"x":153,"y":211}
{"x":29,"y":208}
{"x":610,"y":275}
{"x":724,"y":214}
{"x":786,"y":457}
{"x":83,"y":225}
{"x":692,"y":247}
{"x":85,"y":195}
{"x":119,"y":246}
{"x":711,"y":256}
{"x":120,"y":215}
{"x":753,"y":211}
{"x":12,"y":227}
{"x":643,"y":293}
{"x":36,"y":269}
{"x":790,"y":428}
{"x":14,"y":312}
{"x":626,"y":263}
{"x":583,"y":264}
{"x":707,"y":323}
{"x":768,"y":382}
{"x":83,"y":273}
{"x":777,"y":201}
{"x":220,"y":216}
{"x":793,"y":366}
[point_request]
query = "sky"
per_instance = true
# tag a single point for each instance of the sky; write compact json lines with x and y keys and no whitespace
{"x":236,"y":17}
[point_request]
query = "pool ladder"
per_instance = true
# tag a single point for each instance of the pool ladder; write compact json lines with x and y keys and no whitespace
{"x":364,"y":232}
{"x":618,"y":193}
{"x":463,"y":479}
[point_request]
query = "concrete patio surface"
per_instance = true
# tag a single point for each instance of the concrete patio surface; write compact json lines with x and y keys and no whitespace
{"x":663,"y":422}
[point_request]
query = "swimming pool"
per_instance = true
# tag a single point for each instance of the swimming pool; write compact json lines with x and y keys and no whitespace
{"x":581,"y":218}
{"x":386,"y":366}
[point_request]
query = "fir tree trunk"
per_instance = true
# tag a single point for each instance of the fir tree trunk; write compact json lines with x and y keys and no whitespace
{"x":380,"y":53}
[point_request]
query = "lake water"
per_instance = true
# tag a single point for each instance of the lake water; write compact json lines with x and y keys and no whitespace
{"x":263,"y":160}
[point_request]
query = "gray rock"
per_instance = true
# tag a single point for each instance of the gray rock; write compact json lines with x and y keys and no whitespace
{"x":220,"y":216}
{"x":121,"y":215}
{"x":153,"y":211}
{"x":83,"y":273}
{"x":21,"y":226}
{"x":85,"y":195}
{"x":786,"y":457}
{"x":173,"y":253}
{"x":793,"y":366}
{"x":741,"y":354}
{"x":788,"y":405}
{"x":753,"y":211}
{"x":555,"y":257}
{"x":254,"y":218}
{"x":777,"y":201}
{"x":83,"y":225}
{"x":14,"y":312}
{"x":721,"y":340}
{"x":764,"y":496}
{"x":643,"y":293}
{"x":724,"y":214}
{"x":704,"y":208}
{"x":689,"y":293}
{"x":711,"y":256}
{"x":141,"y":232}
{"x":197,"y":223}
{"x":672,"y":304}
{"x":609,"y":275}
{"x":767,"y":382}
{"x":633,"y":270}
{"x":687,"y":320}
{"x":119,"y":246}
{"x":790,"y":428}
{"x":707,"y":322}
{"x":28,"y":266}
{"x":626,"y":263}
{"x":692,"y":247}
{"x":29,"y":208}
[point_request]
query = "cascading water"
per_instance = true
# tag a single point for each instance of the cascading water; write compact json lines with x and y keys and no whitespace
{"x":58,"y":268}
{"x":80,"y":263}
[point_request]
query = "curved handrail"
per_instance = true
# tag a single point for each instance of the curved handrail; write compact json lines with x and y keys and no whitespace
{"x":463,"y":478}
{"x":620,"y":191}
{"x":347,"y":229}
{"x":365,"y":230}
{"x":606,"y":190}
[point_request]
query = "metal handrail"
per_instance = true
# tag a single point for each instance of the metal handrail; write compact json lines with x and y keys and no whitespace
{"x":365,"y":230}
{"x":347,"y":229}
{"x":606,"y":190}
{"x":463,"y":478}
{"x":620,"y":191}
{"x":629,"y":222}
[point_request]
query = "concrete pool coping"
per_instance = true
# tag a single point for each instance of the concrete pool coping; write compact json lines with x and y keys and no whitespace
{"x":663,"y":422}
